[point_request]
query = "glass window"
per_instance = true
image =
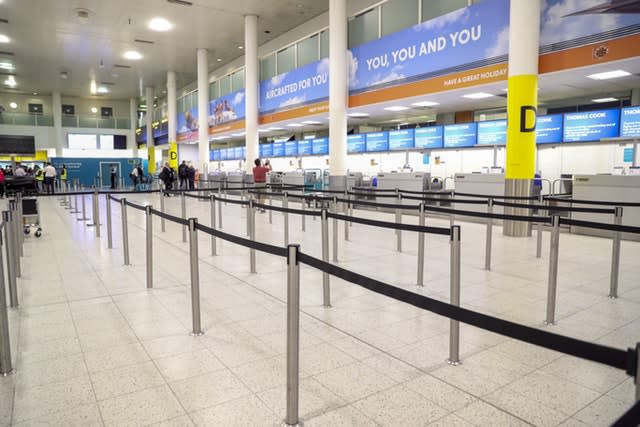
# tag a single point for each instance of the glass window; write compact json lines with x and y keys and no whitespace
{"x":83,"y":141}
{"x":180,"y":104}
{"x":213,"y":90}
{"x":308,"y":50}
{"x":286,"y":60}
{"x":324,"y":44}
{"x":268,"y":67}
{"x":364,"y":27}
{"x":434,"y":8}
{"x":106,"y":142}
{"x":237,"y":80}
{"x":225,"y":85}
{"x":398,"y":15}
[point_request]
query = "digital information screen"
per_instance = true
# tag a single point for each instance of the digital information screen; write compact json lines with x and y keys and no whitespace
{"x":320,"y":146}
{"x":291,"y":148}
{"x":355,"y":143}
{"x":591,"y":125}
{"x":266,"y":150}
{"x":401,"y":139}
{"x":377,"y":141}
{"x":492,"y":132}
{"x":462,"y":135}
{"x":278,"y":149}
{"x":223,"y":154}
{"x":630,"y":122}
{"x":431,"y":137}
{"x":549,"y":129}
{"x":215,"y":155}
{"x":239,"y":153}
{"x":304,"y":147}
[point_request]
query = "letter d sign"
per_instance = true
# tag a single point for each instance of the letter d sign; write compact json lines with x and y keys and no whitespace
{"x":528,"y":114}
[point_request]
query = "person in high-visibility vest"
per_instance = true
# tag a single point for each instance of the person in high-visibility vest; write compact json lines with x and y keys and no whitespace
{"x":63,"y":178}
{"x":39,"y":179}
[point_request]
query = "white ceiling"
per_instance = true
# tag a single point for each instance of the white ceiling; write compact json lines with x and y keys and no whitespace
{"x":47,"y":38}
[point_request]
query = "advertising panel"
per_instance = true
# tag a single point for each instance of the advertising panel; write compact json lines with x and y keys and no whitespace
{"x":462,"y":135}
{"x":227,"y":108}
{"x":591,"y":125}
{"x":549,"y":129}
{"x":355,"y":143}
{"x":401,"y":139}
{"x":291,"y":148}
{"x":187,"y":125}
{"x":304,"y":147}
{"x":320,"y":146}
{"x":430,"y":137}
{"x":266,"y":150}
{"x":630,"y":122}
{"x":492,"y":132}
{"x":278,"y":149}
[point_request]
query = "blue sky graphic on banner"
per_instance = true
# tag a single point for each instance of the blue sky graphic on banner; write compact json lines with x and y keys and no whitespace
{"x":226,"y":108}
{"x":558,"y":22}
{"x":300,"y":86}
{"x":187,"y":124}
{"x":466,"y":35}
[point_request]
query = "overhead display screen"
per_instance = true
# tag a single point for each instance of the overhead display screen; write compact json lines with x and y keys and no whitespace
{"x":431,"y":137}
{"x":239,"y":153}
{"x":214,"y":155}
{"x":320,"y":146}
{"x":278,"y":149}
{"x":355,"y":143}
{"x":377,"y":141}
{"x":492,"y":132}
{"x":630,"y":122}
{"x":304,"y":147}
{"x":591,"y":125}
{"x":401,"y":139}
{"x":266,"y":150}
{"x":462,"y":135}
{"x":17,"y":144}
{"x":223,"y":154}
{"x":549,"y":129}
{"x":291,"y":148}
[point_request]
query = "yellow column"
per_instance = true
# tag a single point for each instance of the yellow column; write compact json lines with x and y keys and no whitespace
{"x":521,"y":129}
{"x":173,"y":155}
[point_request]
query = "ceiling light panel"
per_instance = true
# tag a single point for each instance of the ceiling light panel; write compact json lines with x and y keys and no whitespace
{"x":601,"y":100}
{"x":132,"y":55}
{"x":615,"y":74}
{"x":425,"y":104}
{"x":4,"y":38}
{"x":478,"y":95}
{"x":396,"y":108}
{"x":160,"y":24}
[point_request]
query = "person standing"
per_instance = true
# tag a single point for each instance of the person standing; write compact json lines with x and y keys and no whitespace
{"x":20,"y":171}
{"x":166,"y":176}
{"x":191,"y":176}
{"x":114,"y":176}
{"x":1,"y":183}
{"x":260,"y":179}
{"x":183,"y":174}
{"x":134,"y":176}
{"x":49,"y":178}
{"x":63,"y":178}
{"x":39,"y":179}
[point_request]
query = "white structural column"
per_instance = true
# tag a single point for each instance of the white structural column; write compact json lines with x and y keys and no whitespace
{"x":151,"y":148}
{"x":133,"y":118}
{"x":251,"y":81}
{"x":203,"y":110}
{"x":57,"y":122}
{"x":173,"y":118}
{"x":522,"y":104}
{"x":338,"y":94}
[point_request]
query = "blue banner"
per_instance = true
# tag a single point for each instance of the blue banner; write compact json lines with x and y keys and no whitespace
{"x":291,"y":148}
{"x":187,"y":125}
{"x":320,"y":146}
{"x":377,"y":141}
{"x":304,"y":147}
{"x":356,"y":143}
{"x":492,"y":132}
{"x":401,"y":139}
{"x":278,"y":149}
{"x":467,"y":35}
{"x":549,"y":129}
{"x":227,"y":108}
{"x":462,"y":135}
{"x":309,"y":83}
{"x":591,"y":125}
{"x":266,"y":150}
{"x":630,"y":122}
{"x":430,"y":137}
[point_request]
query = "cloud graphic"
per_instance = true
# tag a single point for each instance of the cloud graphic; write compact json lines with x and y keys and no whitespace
{"x":380,"y":79}
{"x":457,"y":16}
{"x":556,"y":26}
{"x":237,"y":100}
{"x":501,"y":46}
{"x":353,"y":69}
{"x":277,"y":80}
{"x":323,"y":66}
{"x":293,"y":101}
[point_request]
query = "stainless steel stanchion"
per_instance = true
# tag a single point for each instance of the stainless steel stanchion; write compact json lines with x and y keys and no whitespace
{"x":149,"y":230}
{"x":489,"y":237}
{"x":67,"y":190}
{"x":334,"y":209}
{"x":638,"y":372}
{"x":293,"y":335}
{"x":421,"y":247}
{"x":11,"y":255}
{"x":125,"y":231}
{"x":326,"y":290}
{"x":6,"y":367}
{"x":95,"y":213}
{"x":162,"y":224}
{"x":20,"y":224}
{"x":399,"y":221}
{"x":539,"y":229}
{"x":346,"y":212}
{"x":109,"y":228}
{"x":212,"y":209}
{"x":304,"y":217}
{"x":615,"y":255}
{"x":183,"y":204}
{"x":553,"y":270}
{"x":271,"y":211}
{"x":285,"y":204}
{"x":84,"y":210}
{"x":219,"y":209}
{"x":195,"y":277}
{"x":248,"y":225}
{"x":454,"y":325}
{"x":251,"y":213}
{"x":16,"y":240}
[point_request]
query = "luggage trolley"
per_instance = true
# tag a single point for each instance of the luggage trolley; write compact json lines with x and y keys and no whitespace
{"x":31,"y":216}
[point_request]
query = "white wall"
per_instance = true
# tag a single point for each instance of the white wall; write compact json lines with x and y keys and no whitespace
{"x":83,"y":106}
{"x":23,"y":102}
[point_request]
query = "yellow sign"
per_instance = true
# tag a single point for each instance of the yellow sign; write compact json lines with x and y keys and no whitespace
{"x":522,"y":102}
{"x":173,"y":155}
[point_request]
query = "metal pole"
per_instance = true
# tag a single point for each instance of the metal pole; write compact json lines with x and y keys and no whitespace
{"x":125,"y":231}
{"x":421,"y":247}
{"x":553,"y":270}
{"x":539,"y":229}
{"x":219,"y":209}
{"x":149,"y":229}
{"x":16,"y":242}
{"x":293,"y":335}
{"x":346,"y":223}
{"x":183,"y":201}
{"x":96,"y":212}
{"x":162,"y":196}
{"x":11,"y":263}
{"x":615,"y":256}
{"x":251,"y":213}
{"x":109,"y":230}
{"x":489,"y":238}
{"x":638,"y":372}
{"x":248,"y":225}
{"x":399,"y":221}
{"x":304,"y":217}
{"x":5,"y":340}
{"x":271,"y":204}
{"x":212,"y":208}
{"x":285,"y":204}
{"x":20,"y":224}
{"x":84,"y":210}
{"x":335,"y":230}
{"x":454,"y":325}
{"x":195,"y":277}
{"x":74,"y":209}
{"x":326,"y":290}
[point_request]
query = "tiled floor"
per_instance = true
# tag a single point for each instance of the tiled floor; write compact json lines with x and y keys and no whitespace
{"x":93,"y":346}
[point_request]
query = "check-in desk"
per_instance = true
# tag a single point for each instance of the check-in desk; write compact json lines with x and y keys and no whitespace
{"x":236,"y":180}
{"x":216,"y":179}
{"x":613,"y":188}
{"x":296,"y":178}
{"x":413,"y":181}
{"x":488,"y":184}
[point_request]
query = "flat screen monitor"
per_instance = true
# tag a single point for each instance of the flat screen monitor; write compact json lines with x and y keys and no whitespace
{"x":630,"y":122}
{"x":266,"y":150}
{"x":291,"y":148}
{"x":461,"y":135}
{"x":320,"y":146}
{"x":214,"y":155}
{"x":223,"y":154}
{"x":429,"y":137}
{"x":304,"y":147}
{"x":549,"y":129}
{"x":591,"y":125}
{"x":238,"y":153}
{"x":492,"y":132}
{"x":402,"y":139}
{"x":278,"y":149}
{"x":17,"y":144}
{"x":356,"y":143}
{"x":377,"y":141}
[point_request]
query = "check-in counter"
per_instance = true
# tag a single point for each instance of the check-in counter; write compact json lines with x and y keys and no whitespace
{"x":489,"y":184}
{"x":414,"y":181}
{"x":296,"y":178}
{"x":613,"y":188}
{"x":237,"y":180}
{"x":216,"y":179}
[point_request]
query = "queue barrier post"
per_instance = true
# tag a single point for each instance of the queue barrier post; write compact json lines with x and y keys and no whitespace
{"x":489,"y":236}
{"x":615,"y":255}
{"x":183,"y":205}
{"x":11,"y":254}
{"x":74,"y":205}
{"x":346,"y":212}
{"x":454,"y":325}
{"x":285,"y":204}
{"x":149,"y":232}
{"x":125,"y":231}
{"x":248,"y":225}
{"x":20,"y":224}
{"x":304,"y":217}
{"x":6,"y":368}
{"x":163,"y":194}
{"x":553,"y":270}
{"x":326,"y":289}
{"x":220,"y":208}
{"x":96,"y":212}
{"x":195,"y":278}
{"x":399,"y":221}
{"x":84,"y":209}
{"x":421,"y":221}
{"x":251,"y":214}
{"x":637,"y":372}
{"x":109,"y":228}
{"x":16,"y":239}
{"x":539,"y":230}
{"x":334,"y":208}
{"x":271,"y":204}
{"x":212,"y":211}
{"x":293,"y":335}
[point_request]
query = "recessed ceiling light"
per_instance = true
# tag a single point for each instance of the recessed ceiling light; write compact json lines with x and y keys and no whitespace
{"x":94,"y":110}
{"x":64,"y":75}
{"x":609,"y":75}
{"x":132,"y":55}
{"x":160,"y":24}
{"x":10,"y":81}
{"x":239,"y":134}
{"x":275,"y":128}
{"x":13,"y":105}
{"x":7,"y":66}
{"x":311,"y":122}
{"x":263,"y":130}
{"x":35,"y":93}
{"x":103,"y":89}
{"x":240,"y":47}
{"x":93,"y":88}
{"x":600,"y":100}
{"x":425,"y":104}
{"x":478,"y":95}
{"x":358,"y":115}
{"x":4,"y":39}
{"x":295,"y":125}
{"x":396,"y":108}
{"x":219,"y":59}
